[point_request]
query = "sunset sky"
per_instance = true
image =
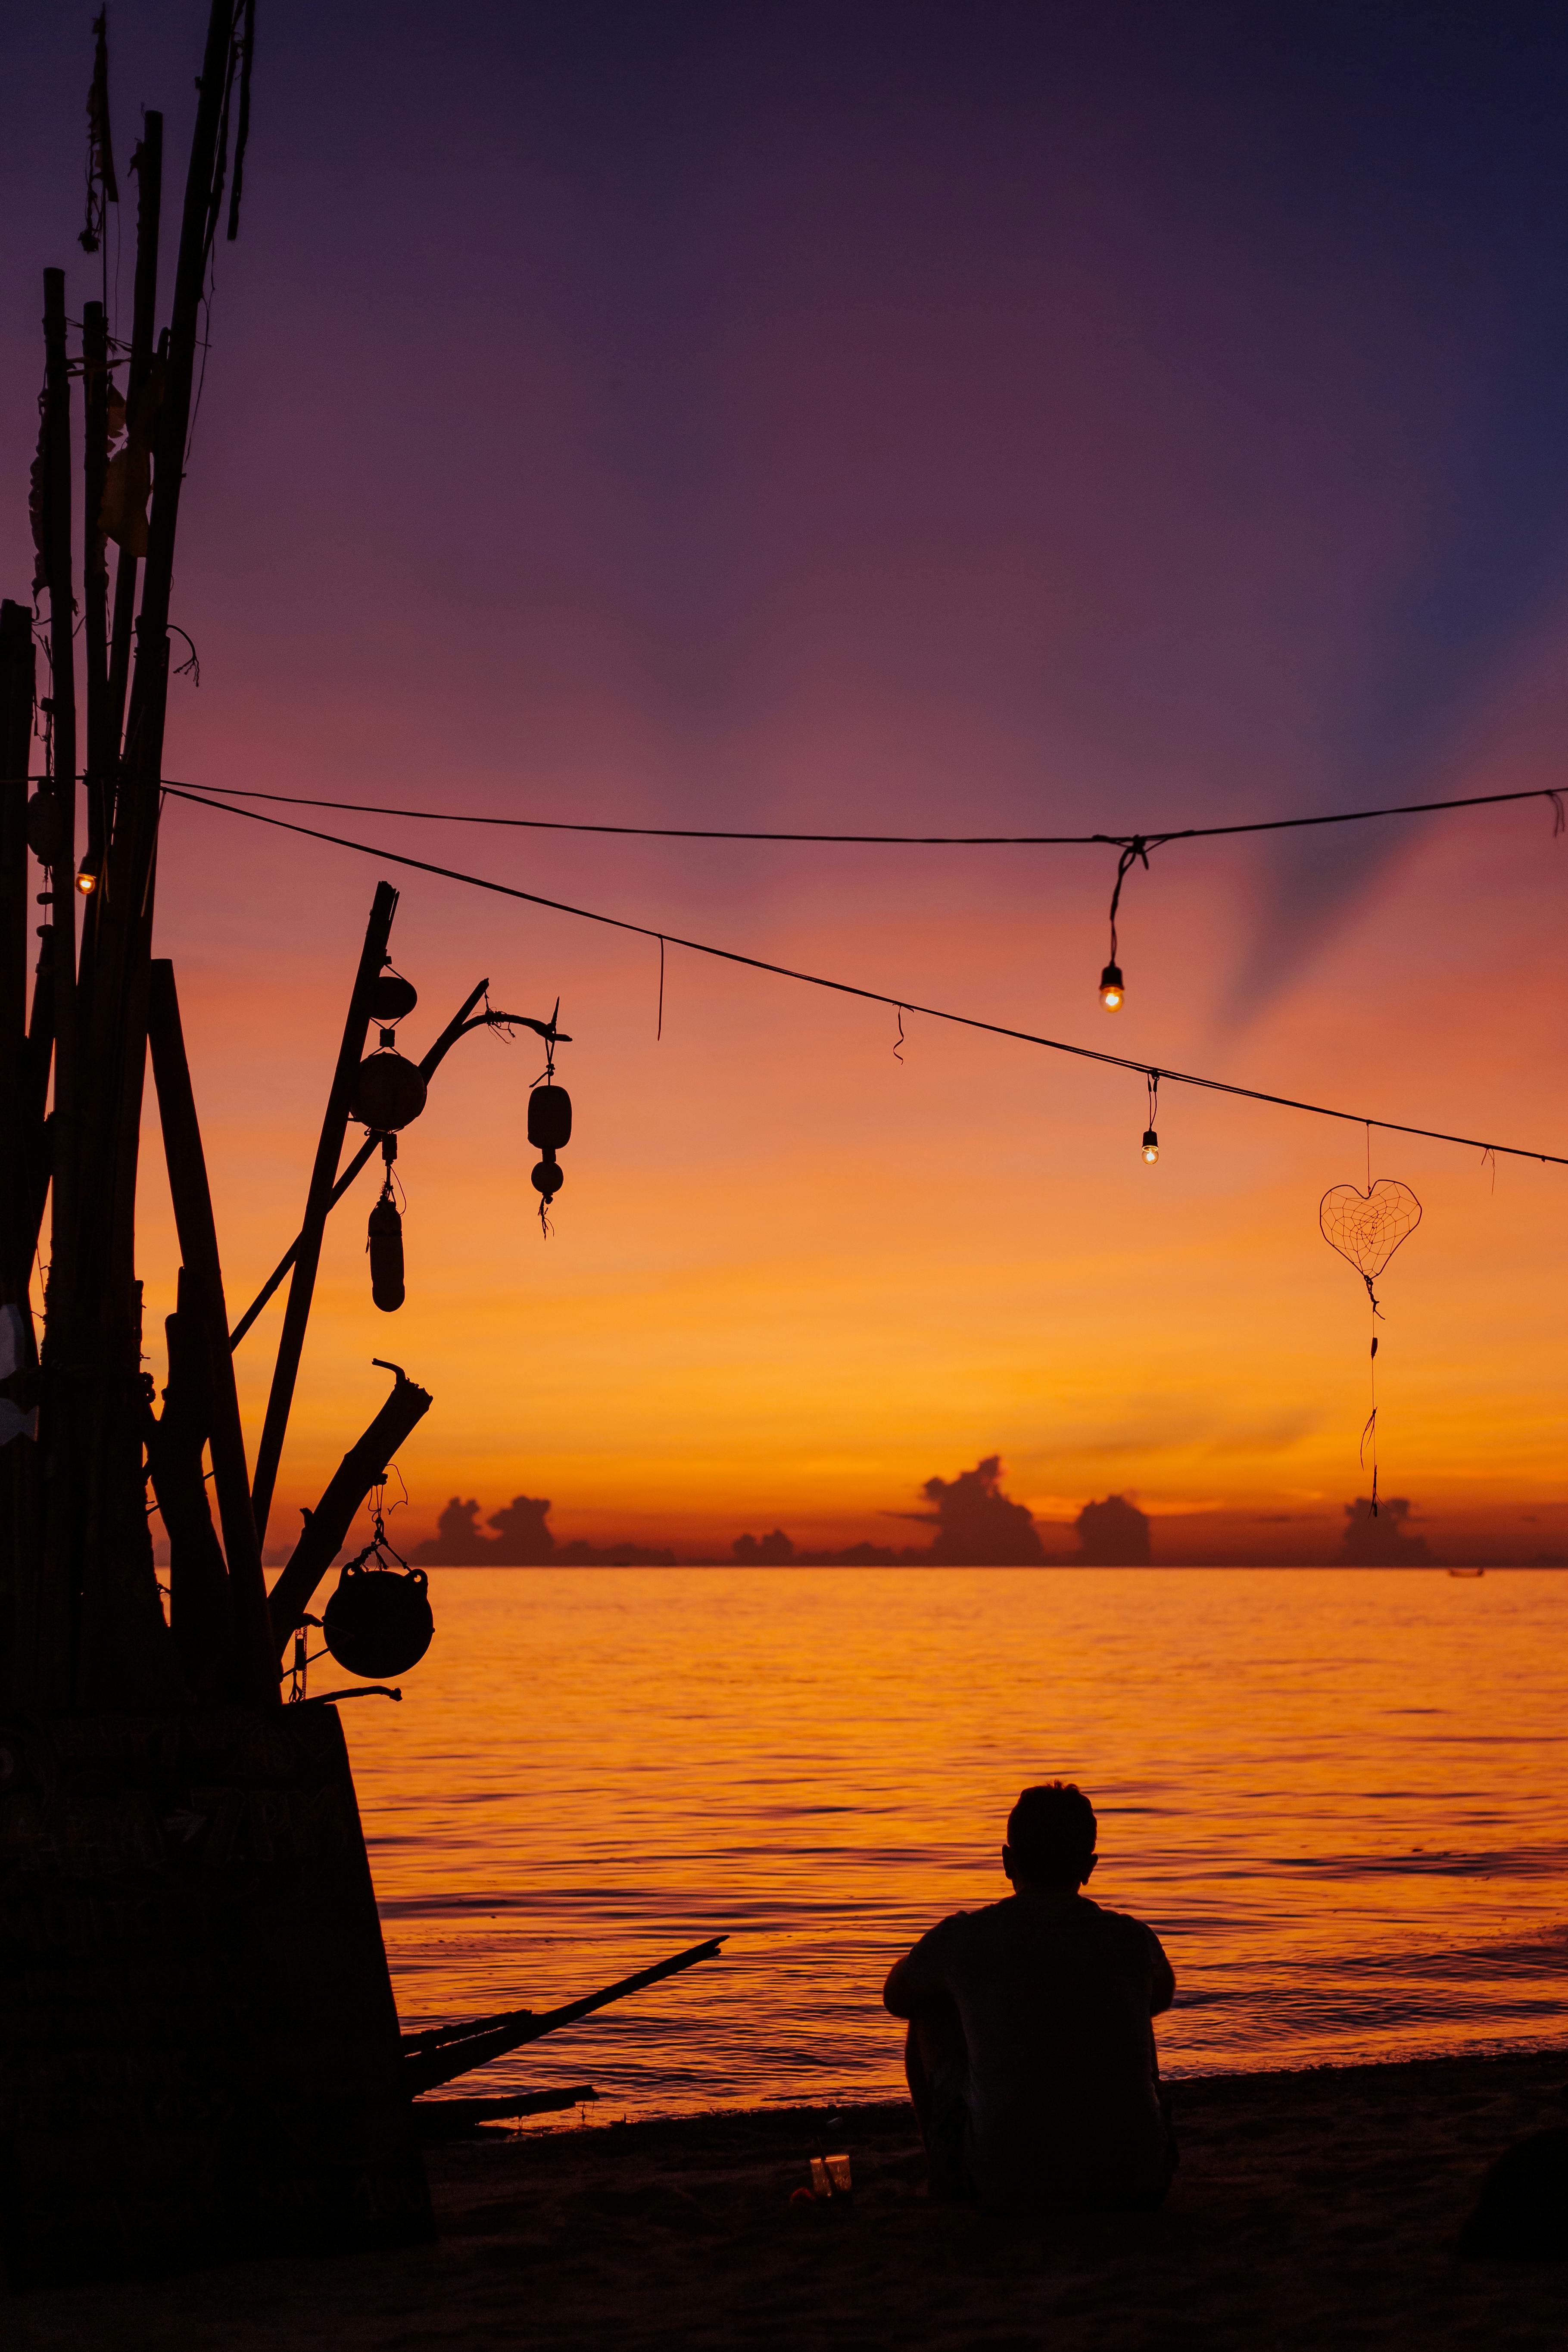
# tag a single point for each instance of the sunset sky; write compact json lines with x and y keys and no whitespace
{"x":920,"y":418}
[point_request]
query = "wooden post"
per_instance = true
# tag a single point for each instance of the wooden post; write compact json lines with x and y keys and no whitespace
{"x":317,"y":1201}
{"x":147,"y":164}
{"x":256,"y":1673}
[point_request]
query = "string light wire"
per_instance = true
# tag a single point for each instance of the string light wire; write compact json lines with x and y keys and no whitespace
{"x":850,"y":988}
{"x":1137,"y":844}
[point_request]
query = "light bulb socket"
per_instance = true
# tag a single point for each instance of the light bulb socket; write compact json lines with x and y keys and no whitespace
{"x":1112,"y":987}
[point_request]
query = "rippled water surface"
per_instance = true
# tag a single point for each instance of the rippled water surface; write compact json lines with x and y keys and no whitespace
{"x":1339,"y":1795}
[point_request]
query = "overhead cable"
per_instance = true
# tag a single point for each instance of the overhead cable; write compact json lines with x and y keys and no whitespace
{"x":1138,"y":843}
{"x":847,"y":988}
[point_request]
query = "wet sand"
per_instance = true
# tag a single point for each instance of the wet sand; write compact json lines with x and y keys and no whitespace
{"x":1314,"y":2209}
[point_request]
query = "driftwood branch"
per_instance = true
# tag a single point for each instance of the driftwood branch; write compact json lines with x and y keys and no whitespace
{"x":447,"y":2052}
{"x":326,"y":1528}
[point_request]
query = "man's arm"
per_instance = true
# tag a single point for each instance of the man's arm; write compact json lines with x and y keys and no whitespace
{"x":915,"y":1980}
{"x":1163,"y":1986}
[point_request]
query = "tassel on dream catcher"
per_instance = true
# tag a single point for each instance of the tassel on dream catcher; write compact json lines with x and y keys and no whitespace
{"x":1366,"y":1228}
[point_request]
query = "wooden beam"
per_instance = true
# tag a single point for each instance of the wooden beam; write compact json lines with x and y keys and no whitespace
{"x":256,"y":1671}
{"x":317,"y":1202}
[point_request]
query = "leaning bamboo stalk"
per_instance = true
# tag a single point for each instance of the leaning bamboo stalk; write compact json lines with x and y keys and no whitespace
{"x":256,"y":1674}
{"x":317,"y":1202}
{"x":326,"y":1528}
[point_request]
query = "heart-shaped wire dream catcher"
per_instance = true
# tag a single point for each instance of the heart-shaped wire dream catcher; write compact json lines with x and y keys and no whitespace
{"x":1366,"y":1228}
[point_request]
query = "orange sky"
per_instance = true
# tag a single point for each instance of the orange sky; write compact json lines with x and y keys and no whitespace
{"x":1069,"y":423}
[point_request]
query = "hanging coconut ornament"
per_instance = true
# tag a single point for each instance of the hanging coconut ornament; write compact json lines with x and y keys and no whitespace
{"x":378,"y":1621}
{"x":392,"y":996}
{"x":549,"y":1131}
{"x":385,"y":1248}
{"x":46,"y":825}
{"x":389,"y":1091}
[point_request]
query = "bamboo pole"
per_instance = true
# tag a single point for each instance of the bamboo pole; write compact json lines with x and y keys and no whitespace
{"x":95,"y":598}
{"x":16,"y":679}
{"x":147,"y":164}
{"x":255,"y":1672}
{"x":59,"y":1418}
{"x":317,"y":1202}
{"x":17,"y":1459}
{"x":62,"y":697}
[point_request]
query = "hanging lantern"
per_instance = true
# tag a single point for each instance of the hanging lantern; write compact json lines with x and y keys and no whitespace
{"x":378,"y":1621}
{"x":389,"y":1091}
{"x":385,"y":1248}
{"x":549,"y":1131}
{"x":87,"y":875}
{"x":1112,"y":989}
{"x":1151,"y":1146}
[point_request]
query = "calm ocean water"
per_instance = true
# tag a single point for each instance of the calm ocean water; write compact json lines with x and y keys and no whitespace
{"x":1339,"y":1795}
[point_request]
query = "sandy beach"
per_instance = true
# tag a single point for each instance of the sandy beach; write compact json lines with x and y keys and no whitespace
{"x":1311,"y":2209}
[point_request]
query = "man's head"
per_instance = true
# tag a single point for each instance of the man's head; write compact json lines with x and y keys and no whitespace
{"x":1050,"y":1837}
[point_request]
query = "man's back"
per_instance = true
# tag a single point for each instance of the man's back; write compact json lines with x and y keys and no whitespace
{"x":1055,"y":1997}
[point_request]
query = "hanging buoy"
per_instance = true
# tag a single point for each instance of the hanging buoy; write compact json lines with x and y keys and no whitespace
{"x":385,"y":1248}
{"x":547,"y":1179}
{"x":378,"y":1621}
{"x":389,"y":1091}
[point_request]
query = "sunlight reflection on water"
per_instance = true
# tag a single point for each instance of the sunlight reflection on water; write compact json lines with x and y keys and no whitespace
{"x":1338,"y":1795}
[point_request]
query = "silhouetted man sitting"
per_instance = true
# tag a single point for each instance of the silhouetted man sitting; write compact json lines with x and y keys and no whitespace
{"x":1030,"y":2052}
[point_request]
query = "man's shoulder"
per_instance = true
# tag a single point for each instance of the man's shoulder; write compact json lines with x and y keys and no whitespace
{"x":963,"y":1926}
{"x":1117,"y":1923}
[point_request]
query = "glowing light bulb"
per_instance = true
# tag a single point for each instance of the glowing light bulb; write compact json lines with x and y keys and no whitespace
{"x":86,"y":878}
{"x":1151,"y":1146}
{"x":1112,"y":988}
